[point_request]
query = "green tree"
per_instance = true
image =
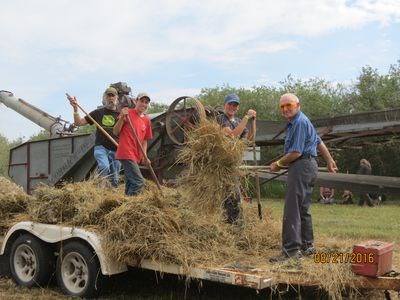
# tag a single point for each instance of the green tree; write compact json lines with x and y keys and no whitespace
{"x":374,"y":91}
{"x":4,"y":153}
{"x":41,"y":135}
{"x":44,"y":134}
{"x":5,"y":146}
{"x":157,"y":107}
{"x":319,"y":98}
{"x":262,"y":98}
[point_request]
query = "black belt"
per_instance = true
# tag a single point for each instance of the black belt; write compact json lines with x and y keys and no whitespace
{"x":308,"y":156}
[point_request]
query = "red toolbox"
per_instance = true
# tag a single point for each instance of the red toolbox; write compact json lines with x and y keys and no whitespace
{"x":372,"y":258}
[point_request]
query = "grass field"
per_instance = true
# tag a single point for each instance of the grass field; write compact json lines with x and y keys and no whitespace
{"x":349,"y":223}
{"x":352,"y":223}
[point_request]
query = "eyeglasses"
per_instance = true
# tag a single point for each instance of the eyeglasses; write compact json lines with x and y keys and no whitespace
{"x":289,"y":105}
{"x":110,"y":95}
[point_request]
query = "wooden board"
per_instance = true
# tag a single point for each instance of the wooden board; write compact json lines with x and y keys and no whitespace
{"x":352,"y":182}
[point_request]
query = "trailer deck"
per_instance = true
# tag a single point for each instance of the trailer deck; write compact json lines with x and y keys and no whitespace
{"x":245,"y":277}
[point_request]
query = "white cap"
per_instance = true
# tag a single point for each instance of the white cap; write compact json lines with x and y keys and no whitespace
{"x":142,"y":95}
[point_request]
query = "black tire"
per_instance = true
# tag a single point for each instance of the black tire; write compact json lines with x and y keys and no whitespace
{"x":31,"y":261}
{"x":78,"y":270}
{"x":5,"y":265}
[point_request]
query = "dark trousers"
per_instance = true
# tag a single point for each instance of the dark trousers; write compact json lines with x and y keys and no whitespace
{"x":232,"y":208}
{"x":297,"y":229}
{"x":365,"y":198}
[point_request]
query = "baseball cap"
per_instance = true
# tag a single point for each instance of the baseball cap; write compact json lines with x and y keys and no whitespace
{"x":111,"y":90}
{"x":232,"y":98}
{"x":142,"y":95}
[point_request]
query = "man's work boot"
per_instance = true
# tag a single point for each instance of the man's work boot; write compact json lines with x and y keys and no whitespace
{"x":308,"y":251}
{"x":282,"y":257}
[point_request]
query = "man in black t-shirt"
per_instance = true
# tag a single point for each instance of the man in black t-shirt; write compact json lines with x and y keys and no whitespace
{"x":104,"y":150}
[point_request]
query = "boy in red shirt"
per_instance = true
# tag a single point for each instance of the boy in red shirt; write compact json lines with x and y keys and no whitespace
{"x":129,"y":152}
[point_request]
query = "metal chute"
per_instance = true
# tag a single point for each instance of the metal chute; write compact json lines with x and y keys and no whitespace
{"x":56,"y":126}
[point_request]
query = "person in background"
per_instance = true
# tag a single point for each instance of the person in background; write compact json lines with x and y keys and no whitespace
{"x":365,"y":169}
{"x":300,"y":152}
{"x":104,"y":149}
{"x":129,"y":151}
{"x":347,"y":197}
{"x":327,"y":195}
{"x":233,"y":126}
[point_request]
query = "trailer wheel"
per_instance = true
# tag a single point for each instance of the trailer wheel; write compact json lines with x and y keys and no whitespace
{"x":78,"y":270}
{"x":31,"y":261}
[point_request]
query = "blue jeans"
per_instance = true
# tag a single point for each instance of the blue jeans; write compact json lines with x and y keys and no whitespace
{"x":134,"y":180}
{"x":108,"y":166}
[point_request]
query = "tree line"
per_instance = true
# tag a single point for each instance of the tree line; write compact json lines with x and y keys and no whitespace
{"x":320,"y":98}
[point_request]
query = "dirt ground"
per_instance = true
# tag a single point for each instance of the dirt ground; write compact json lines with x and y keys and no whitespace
{"x":143,"y":285}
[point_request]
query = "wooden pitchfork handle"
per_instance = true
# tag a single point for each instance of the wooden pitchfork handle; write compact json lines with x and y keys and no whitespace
{"x":96,"y":124}
{"x":257,"y":177}
{"x":144,"y":153}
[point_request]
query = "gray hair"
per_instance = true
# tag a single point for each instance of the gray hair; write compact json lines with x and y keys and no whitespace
{"x":291,"y":97}
{"x":365,"y":162}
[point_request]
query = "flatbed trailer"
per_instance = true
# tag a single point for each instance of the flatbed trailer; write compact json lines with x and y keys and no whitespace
{"x":36,"y":252}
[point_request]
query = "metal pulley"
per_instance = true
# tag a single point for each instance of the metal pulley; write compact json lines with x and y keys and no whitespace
{"x":182,"y":115}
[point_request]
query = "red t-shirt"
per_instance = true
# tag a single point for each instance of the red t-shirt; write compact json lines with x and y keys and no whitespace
{"x":128,"y":147}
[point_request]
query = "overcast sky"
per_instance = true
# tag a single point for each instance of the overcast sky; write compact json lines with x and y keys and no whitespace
{"x":175,"y":48}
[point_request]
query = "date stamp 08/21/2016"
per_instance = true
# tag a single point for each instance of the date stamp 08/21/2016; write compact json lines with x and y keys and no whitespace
{"x":344,"y":257}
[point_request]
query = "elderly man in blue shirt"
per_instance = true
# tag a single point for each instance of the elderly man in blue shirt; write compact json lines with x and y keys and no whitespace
{"x":300,"y":151}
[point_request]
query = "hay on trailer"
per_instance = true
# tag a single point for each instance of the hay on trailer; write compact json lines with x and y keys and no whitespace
{"x":256,"y":236}
{"x":333,"y":276}
{"x":164,"y":229}
{"x":212,"y":162}
{"x":190,"y":228}
{"x":13,"y":200}
{"x":79,"y":204}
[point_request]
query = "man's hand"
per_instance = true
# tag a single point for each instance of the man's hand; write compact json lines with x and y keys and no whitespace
{"x":72,"y":101}
{"x":251,"y":113}
{"x":124,"y":112}
{"x":274,"y":167}
{"x":331,"y":165}
{"x":145,"y":161}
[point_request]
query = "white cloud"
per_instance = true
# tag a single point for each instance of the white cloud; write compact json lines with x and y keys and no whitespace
{"x":49,"y":46}
{"x":167,"y":96}
{"x":94,"y":35}
{"x":381,"y":11}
